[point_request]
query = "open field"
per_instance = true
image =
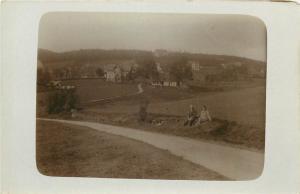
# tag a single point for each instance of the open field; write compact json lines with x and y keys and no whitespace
{"x":67,"y":150}
{"x":167,"y":94}
{"x":243,"y":110}
{"x":94,"y":89}
{"x":244,"y":106}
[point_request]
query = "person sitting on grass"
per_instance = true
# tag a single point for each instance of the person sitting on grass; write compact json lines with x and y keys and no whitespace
{"x":204,"y":115}
{"x":191,"y":117}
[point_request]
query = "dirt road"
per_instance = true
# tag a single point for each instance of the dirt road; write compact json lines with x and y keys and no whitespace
{"x":234,"y":163}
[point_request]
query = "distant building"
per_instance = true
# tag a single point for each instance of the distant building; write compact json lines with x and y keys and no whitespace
{"x":165,"y":83}
{"x":201,"y":73}
{"x":160,"y":52}
{"x":195,"y":66}
{"x":166,"y":80}
{"x":157,"y":83}
{"x":116,"y":73}
{"x":159,"y":68}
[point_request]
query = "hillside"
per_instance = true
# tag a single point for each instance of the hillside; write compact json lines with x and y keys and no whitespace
{"x":109,"y":56}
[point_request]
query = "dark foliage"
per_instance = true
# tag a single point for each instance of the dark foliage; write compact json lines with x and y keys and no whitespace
{"x":100,"y":72}
{"x":143,"y":109}
{"x":43,"y":77}
{"x":180,"y":70}
{"x":62,"y":101}
{"x":146,"y":66}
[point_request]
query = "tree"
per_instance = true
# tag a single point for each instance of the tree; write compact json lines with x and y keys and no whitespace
{"x":43,"y":77}
{"x":180,"y":69}
{"x":62,"y":100}
{"x":100,"y":72}
{"x":147,"y":66}
{"x":144,"y":103}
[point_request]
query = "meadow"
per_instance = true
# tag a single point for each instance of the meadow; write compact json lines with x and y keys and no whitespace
{"x":244,"y":106}
{"x":243,"y":110}
{"x":95,"y":89}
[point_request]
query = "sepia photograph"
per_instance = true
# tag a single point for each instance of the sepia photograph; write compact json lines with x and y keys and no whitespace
{"x":151,"y":96}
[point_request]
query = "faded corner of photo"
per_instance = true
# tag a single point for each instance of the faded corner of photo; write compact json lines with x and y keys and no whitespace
{"x":151,"y":96}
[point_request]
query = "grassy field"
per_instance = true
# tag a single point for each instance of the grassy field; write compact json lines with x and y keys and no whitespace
{"x":94,"y":89}
{"x":73,"y":151}
{"x":244,"y":109}
{"x":218,"y":131}
{"x":244,"y":106}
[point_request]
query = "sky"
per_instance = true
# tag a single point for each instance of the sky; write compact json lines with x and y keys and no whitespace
{"x":235,"y":35}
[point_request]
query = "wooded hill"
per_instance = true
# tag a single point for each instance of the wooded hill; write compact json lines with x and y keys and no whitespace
{"x":92,"y":55}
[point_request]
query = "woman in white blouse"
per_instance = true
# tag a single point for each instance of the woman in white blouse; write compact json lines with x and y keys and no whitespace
{"x":204,"y":115}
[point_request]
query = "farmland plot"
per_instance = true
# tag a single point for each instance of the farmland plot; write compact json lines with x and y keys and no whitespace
{"x":245,"y":106}
{"x":95,"y":89}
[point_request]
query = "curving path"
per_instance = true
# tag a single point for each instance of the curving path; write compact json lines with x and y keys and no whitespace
{"x":234,"y":163}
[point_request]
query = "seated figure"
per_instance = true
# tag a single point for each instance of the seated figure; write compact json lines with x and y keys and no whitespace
{"x":191,"y":117}
{"x":204,"y":115}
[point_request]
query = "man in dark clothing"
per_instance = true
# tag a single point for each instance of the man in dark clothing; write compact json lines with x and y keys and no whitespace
{"x":192,"y":116}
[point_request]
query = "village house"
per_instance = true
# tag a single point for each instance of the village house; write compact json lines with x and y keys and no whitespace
{"x":165,"y":83}
{"x":195,"y":66}
{"x":165,"y":79}
{"x":117,"y":72}
{"x":160,"y":52}
{"x":109,"y":75}
{"x":202,"y":73}
{"x":113,"y":73}
{"x":159,"y":68}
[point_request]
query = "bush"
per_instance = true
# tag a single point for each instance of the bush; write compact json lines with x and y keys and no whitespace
{"x":62,"y":100}
{"x":99,"y":72}
{"x":143,"y":109}
{"x":43,"y":77}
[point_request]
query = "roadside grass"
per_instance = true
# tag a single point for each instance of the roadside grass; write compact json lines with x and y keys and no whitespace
{"x":74,"y":151}
{"x":219,"y":131}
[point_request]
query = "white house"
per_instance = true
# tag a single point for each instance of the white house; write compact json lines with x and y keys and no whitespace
{"x":159,"y":68}
{"x":113,"y":73}
{"x":195,"y":66}
{"x":109,"y":75}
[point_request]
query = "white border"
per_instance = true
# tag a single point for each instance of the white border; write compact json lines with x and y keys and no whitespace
{"x":18,"y":61}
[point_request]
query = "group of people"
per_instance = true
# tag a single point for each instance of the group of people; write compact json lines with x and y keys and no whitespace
{"x":194,"y":119}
